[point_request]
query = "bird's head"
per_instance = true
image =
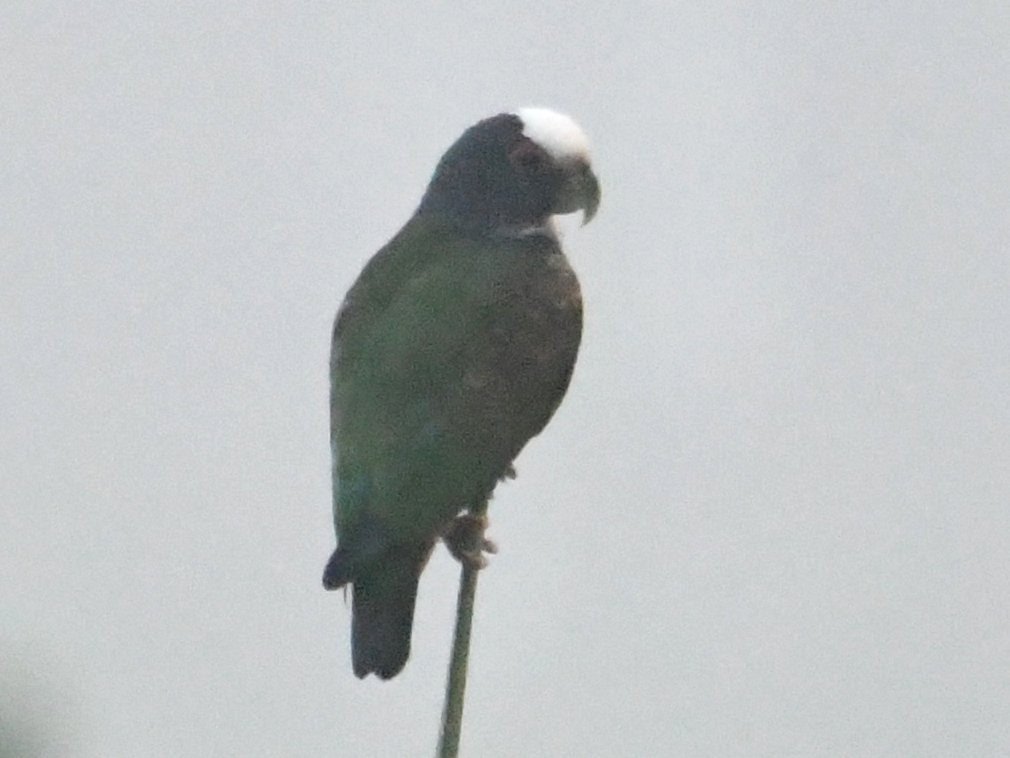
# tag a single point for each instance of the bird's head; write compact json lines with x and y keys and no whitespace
{"x":513,"y":171}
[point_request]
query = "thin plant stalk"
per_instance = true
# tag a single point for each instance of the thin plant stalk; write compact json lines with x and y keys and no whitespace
{"x":455,"y":688}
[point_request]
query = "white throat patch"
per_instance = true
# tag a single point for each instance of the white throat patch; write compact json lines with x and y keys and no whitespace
{"x":556,"y":133}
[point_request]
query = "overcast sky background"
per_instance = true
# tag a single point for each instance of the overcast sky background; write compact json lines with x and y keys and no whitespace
{"x":770,"y":518}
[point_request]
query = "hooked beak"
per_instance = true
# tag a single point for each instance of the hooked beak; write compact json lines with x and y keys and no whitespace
{"x":580,"y":191}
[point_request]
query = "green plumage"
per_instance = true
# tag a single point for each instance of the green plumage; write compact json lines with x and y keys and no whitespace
{"x":452,"y":349}
{"x":450,"y":353}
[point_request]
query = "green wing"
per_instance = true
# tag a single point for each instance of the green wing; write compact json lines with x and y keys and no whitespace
{"x":449,"y":353}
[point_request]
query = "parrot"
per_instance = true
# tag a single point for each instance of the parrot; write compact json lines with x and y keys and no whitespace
{"x":451,"y":350}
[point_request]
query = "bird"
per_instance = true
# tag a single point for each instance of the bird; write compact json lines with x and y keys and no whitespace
{"x":451,"y":350}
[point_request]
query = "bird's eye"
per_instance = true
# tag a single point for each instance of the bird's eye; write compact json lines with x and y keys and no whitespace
{"x":528,"y":158}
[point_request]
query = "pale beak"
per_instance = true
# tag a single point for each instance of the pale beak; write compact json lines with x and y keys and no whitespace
{"x":580,"y":192}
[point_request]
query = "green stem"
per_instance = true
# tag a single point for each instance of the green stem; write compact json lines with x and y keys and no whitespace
{"x":455,"y":688}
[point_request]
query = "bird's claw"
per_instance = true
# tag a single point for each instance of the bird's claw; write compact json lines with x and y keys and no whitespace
{"x":466,"y":541}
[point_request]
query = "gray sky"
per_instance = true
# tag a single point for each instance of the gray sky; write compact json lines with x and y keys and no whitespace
{"x":771,"y":517}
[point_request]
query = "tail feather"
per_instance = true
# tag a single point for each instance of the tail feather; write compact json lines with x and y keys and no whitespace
{"x":383,"y":608}
{"x":384,"y":593}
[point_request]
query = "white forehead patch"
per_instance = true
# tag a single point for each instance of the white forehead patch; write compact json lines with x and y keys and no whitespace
{"x":556,"y":133}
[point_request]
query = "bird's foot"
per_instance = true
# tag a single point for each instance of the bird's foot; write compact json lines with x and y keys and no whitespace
{"x":466,"y":541}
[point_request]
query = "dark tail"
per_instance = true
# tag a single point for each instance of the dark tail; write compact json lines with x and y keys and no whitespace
{"x":383,"y":617}
{"x":384,"y":591}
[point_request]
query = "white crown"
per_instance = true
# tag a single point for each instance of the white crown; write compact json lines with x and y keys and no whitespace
{"x":556,"y":133}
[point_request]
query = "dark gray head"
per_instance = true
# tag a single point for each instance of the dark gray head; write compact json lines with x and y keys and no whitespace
{"x":513,"y":171}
